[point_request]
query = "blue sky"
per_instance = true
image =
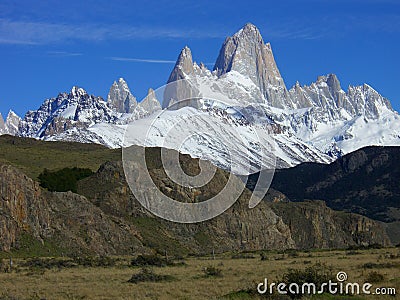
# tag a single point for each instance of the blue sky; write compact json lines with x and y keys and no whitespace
{"x":46,"y":47}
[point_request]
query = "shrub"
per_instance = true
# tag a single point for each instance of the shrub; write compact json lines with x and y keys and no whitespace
{"x":211,"y":271}
{"x":48,"y":263}
{"x":149,"y":260}
{"x":148,"y":275}
{"x":263,"y":256}
{"x":380,"y":265}
{"x":96,"y":261}
{"x":362,"y":247}
{"x":243,"y":256}
{"x":63,"y":180}
{"x":317,"y":274}
{"x":374,"y":277}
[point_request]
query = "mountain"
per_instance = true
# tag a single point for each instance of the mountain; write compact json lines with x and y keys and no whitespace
{"x":106,"y":219}
{"x":246,"y":53}
{"x":74,"y":110}
{"x":120,"y":97}
{"x":11,"y":125}
{"x":364,"y":182}
{"x":227,"y":108}
{"x":2,"y":125}
{"x":319,"y":118}
{"x":76,"y":116}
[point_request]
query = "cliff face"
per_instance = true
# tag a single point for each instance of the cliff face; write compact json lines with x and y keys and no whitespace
{"x":314,"y":225}
{"x":70,"y":219}
{"x":274,"y":224}
{"x":108,"y":220}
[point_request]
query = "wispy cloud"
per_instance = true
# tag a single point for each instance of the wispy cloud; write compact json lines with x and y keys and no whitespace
{"x":144,"y":60}
{"x":63,"y":53}
{"x":20,"y":32}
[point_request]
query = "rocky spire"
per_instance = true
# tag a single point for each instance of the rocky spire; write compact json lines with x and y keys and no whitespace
{"x":12,"y":123}
{"x":2,"y":126}
{"x":178,"y":88}
{"x":120,"y":97}
{"x":150,"y":104}
{"x":77,"y":92}
{"x":246,"y":53}
{"x":183,"y":65}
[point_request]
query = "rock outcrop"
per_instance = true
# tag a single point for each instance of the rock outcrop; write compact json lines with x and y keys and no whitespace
{"x":314,"y":225}
{"x":71,"y":220}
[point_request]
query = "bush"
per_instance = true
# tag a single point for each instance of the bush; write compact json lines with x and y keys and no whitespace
{"x":380,"y":265}
{"x":317,"y":274}
{"x":96,"y":261}
{"x":211,"y":271}
{"x":263,"y":256}
{"x":243,"y":256}
{"x":63,"y":180}
{"x":362,"y":247}
{"x":148,"y":275}
{"x":48,"y":263}
{"x":154,"y":261}
{"x":374,"y":277}
{"x":149,"y":260}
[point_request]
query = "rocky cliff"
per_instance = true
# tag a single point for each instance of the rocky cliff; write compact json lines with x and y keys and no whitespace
{"x":105,"y":218}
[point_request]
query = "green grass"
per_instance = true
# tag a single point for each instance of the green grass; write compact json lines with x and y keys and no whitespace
{"x":28,"y":246}
{"x":33,"y":156}
{"x":155,"y":237}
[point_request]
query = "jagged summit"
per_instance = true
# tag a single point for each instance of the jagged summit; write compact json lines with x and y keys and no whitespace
{"x":327,"y":94}
{"x":2,"y":127}
{"x":250,"y":31}
{"x":246,"y":53}
{"x":77,"y":92}
{"x":11,"y":124}
{"x":120,"y":97}
{"x":183,"y":65}
{"x":150,"y":104}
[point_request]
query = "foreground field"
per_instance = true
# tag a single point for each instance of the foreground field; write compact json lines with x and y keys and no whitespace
{"x":228,"y":276}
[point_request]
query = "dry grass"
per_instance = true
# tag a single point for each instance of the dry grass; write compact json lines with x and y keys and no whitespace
{"x":189,"y":280}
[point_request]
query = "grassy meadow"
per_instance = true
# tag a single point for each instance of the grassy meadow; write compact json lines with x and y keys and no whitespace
{"x":225,"y":276}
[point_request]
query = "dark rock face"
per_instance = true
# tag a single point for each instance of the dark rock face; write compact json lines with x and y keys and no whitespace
{"x":365,"y":182}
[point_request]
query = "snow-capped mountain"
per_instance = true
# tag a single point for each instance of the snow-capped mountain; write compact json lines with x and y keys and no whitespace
{"x":243,"y":93}
{"x":70,"y":116}
{"x":322,"y":115}
{"x":10,"y":126}
{"x":120,"y":97}
{"x":76,"y":109}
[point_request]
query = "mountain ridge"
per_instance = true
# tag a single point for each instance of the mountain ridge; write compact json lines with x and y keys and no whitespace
{"x":317,"y":122}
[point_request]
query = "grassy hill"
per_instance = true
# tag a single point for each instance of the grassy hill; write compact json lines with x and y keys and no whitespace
{"x":33,"y":156}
